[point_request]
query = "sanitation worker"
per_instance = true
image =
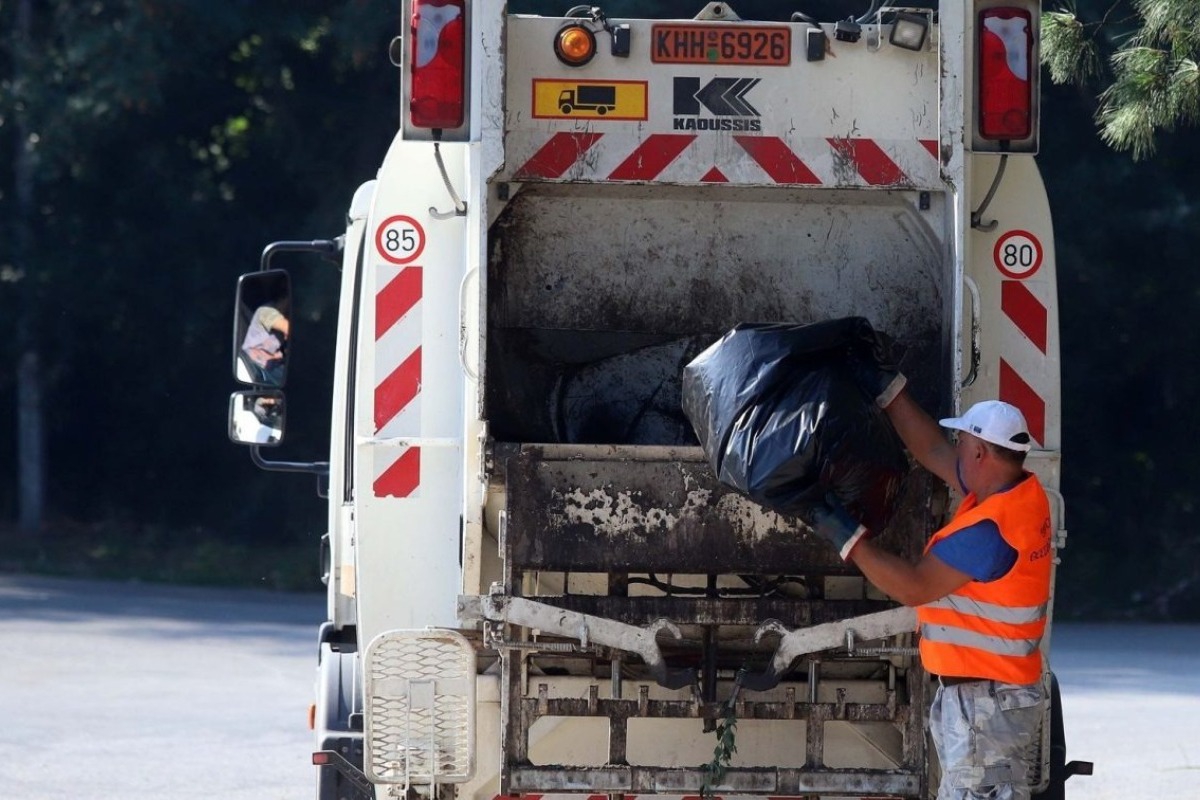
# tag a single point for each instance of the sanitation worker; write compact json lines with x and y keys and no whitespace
{"x":981,"y":589}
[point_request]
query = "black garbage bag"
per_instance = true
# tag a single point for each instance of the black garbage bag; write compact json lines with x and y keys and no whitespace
{"x":630,"y":398}
{"x":782,"y":420}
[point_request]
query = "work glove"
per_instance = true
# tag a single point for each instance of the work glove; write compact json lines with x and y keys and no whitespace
{"x":883,"y":386}
{"x":833,"y":523}
{"x":876,"y":368}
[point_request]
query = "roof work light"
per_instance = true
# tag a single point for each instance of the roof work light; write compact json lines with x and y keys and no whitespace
{"x":909,"y":31}
{"x":437,"y":93}
{"x":1005,"y":74}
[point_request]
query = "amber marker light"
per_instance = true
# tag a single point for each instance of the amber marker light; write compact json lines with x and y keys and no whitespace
{"x":574,"y":45}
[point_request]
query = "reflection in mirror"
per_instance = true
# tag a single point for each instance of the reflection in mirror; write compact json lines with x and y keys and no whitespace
{"x":261,"y":328}
{"x":256,"y":417}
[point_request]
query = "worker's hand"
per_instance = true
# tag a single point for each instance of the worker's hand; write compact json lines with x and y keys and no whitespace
{"x":834,"y":524}
{"x":878,"y":374}
{"x":882,"y":385}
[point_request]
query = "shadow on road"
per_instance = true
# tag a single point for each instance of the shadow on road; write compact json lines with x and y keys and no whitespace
{"x":51,"y":600}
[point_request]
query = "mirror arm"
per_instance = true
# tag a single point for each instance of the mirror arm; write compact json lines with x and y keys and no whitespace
{"x":313,"y":467}
{"x":326,"y":247}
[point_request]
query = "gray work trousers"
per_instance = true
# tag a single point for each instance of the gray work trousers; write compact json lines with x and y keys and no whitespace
{"x":983,"y":732}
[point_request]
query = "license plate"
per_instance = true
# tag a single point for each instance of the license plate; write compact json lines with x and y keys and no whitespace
{"x":757,"y":45}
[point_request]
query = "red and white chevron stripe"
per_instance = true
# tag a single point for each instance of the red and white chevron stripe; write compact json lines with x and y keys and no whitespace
{"x":397,"y":407}
{"x":1024,"y":310}
{"x":684,"y":158}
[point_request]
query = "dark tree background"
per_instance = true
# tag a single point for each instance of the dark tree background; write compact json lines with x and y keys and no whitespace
{"x":171,"y":141}
{"x":163,"y":144}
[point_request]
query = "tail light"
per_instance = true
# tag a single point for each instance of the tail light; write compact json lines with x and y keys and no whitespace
{"x":438,"y":64}
{"x":1006,"y":71}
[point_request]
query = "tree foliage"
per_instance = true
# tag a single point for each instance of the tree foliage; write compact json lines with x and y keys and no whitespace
{"x":172,"y":140}
{"x":1147,"y":55}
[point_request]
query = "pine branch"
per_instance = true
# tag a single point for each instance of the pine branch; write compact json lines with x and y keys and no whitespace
{"x":1071,"y":55}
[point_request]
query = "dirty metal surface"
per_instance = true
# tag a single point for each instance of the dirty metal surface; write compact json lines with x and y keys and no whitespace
{"x":613,"y":516}
{"x":686,"y":709}
{"x":678,"y":261}
{"x":737,"y":780}
{"x":599,"y":512}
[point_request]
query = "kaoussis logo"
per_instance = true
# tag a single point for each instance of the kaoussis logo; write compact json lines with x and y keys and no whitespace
{"x":719,"y":105}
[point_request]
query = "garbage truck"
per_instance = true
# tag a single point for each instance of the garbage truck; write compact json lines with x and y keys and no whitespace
{"x":536,"y":585}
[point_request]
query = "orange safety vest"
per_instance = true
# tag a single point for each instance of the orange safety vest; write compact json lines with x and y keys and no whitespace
{"x":994,"y":630}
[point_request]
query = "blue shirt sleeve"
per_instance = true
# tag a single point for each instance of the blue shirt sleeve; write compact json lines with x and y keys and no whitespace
{"x":978,"y":550}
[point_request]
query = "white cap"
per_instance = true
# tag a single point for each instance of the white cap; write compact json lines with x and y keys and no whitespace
{"x":996,"y":422}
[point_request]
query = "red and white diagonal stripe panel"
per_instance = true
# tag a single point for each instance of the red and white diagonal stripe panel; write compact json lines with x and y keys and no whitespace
{"x":397,"y":475}
{"x":1024,"y":359}
{"x":751,"y":159}
{"x":397,"y":405}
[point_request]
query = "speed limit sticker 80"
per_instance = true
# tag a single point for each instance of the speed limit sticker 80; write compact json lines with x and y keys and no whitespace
{"x":400,"y":239}
{"x":1018,"y":254}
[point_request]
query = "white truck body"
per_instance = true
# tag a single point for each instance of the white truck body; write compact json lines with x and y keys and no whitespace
{"x":529,"y":597}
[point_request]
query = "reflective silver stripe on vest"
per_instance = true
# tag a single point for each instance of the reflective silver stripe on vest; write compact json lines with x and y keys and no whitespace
{"x":946,"y":634}
{"x":1014,"y":615}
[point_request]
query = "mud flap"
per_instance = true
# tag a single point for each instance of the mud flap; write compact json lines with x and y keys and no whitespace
{"x":1060,"y":768}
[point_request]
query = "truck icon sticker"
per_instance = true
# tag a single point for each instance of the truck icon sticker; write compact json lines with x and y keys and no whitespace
{"x":610,"y":100}
{"x":724,"y":98}
{"x":600,"y":99}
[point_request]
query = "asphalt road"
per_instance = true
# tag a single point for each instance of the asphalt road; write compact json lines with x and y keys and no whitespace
{"x":114,"y":691}
{"x":1131,"y":705}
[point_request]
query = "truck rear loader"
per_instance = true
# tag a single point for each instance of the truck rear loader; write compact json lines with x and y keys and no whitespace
{"x":536,"y":586}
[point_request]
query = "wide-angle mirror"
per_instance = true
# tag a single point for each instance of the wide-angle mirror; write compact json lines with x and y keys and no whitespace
{"x":257,"y":417}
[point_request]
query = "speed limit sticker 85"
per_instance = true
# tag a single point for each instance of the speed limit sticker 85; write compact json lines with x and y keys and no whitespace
{"x":400,"y":239}
{"x":1018,"y":254}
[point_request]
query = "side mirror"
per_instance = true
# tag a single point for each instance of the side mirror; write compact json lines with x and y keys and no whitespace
{"x":257,"y":417}
{"x":261,"y":328}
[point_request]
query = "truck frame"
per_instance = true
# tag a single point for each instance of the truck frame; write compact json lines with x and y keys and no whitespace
{"x":536,"y":586}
